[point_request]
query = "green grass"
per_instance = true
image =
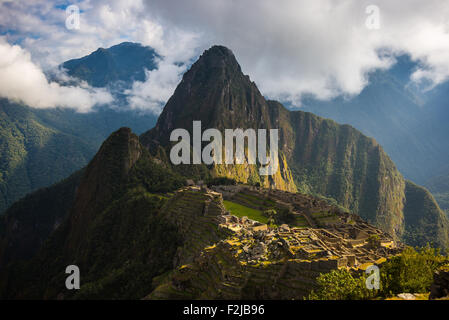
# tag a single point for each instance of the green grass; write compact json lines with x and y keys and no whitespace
{"x":241,"y":211}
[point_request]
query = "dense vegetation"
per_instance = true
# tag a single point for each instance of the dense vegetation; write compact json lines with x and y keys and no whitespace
{"x":433,"y":227}
{"x":439,"y":186}
{"x":340,"y":284}
{"x":410,"y":272}
{"x":220,"y":181}
{"x":35,"y":154}
{"x":29,"y":222}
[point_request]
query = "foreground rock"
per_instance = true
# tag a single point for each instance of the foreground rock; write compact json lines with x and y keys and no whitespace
{"x":440,"y":286}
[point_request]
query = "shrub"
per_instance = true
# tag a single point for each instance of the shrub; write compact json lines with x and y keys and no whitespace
{"x":270,"y":213}
{"x":221,"y":181}
{"x":340,"y":284}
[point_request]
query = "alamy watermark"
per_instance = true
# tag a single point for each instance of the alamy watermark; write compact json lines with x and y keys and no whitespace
{"x":372,"y":22}
{"x":212,"y":153}
{"x":72,"y":282}
{"x":72,"y":21}
{"x":373,"y":280}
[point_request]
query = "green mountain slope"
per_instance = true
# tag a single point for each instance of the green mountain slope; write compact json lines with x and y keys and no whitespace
{"x":113,"y":229}
{"x":28,"y":223}
{"x":439,"y":186}
{"x":34,"y":154}
{"x":40,"y":147}
{"x":429,"y":228}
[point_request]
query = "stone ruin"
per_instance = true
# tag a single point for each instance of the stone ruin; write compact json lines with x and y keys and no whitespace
{"x":346,"y":242}
{"x":228,"y":257}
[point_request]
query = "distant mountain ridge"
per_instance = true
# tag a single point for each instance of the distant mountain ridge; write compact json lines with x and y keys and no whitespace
{"x":406,"y":120}
{"x":42,"y":146}
{"x":125,"y":62}
{"x":439,"y":186}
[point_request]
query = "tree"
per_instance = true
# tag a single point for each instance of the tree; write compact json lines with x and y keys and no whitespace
{"x":270,"y":213}
{"x":411,"y":271}
{"x":286,"y":216}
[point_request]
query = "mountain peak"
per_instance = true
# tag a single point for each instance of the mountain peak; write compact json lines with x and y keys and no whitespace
{"x":125,"y":62}
{"x":218,"y":51}
{"x":216,"y":60}
{"x":215,"y":91}
{"x":103,"y":176}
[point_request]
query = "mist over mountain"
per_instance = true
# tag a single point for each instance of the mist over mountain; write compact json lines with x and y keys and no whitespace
{"x":42,"y":146}
{"x":406,"y":120}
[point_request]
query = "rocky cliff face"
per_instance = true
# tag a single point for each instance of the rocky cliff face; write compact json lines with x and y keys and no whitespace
{"x":341,"y":163}
{"x":217,"y":93}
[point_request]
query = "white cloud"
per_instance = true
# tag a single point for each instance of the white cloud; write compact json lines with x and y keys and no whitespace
{"x":288,"y":48}
{"x":157,"y":88}
{"x":40,"y":29}
{"x":322,"y":47}
{"x":22,"y":80}
{"x":39,"y":26}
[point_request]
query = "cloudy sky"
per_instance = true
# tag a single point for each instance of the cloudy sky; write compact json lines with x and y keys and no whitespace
{"x":288,"y":47}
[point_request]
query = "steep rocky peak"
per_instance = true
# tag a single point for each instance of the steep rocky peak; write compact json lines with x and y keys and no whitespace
{"x":218,"y":60}
{"x":215,"y":91}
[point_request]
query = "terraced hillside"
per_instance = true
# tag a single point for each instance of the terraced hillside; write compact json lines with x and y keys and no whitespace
{"x":253,"y":261}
